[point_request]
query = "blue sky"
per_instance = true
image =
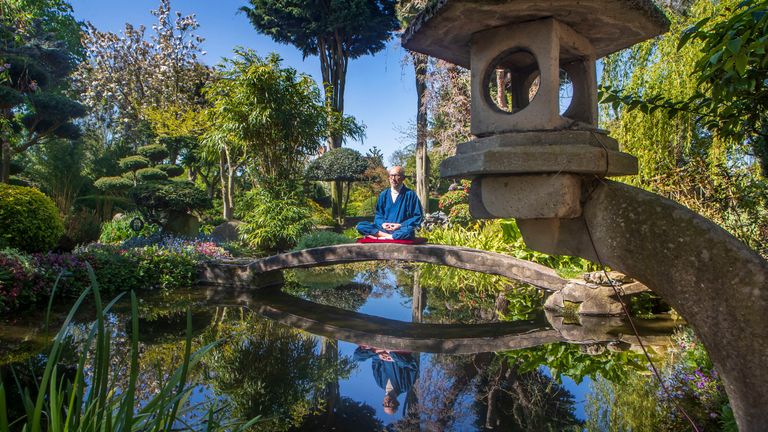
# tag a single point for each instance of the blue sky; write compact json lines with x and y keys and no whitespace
{"x":380,"y":89}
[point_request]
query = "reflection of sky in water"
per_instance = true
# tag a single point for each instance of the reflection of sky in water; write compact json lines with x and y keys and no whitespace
{"x":386,"y":302}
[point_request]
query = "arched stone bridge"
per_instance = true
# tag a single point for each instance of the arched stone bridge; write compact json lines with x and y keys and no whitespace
{"x":591,"y":299}
{"x":244,"y":272}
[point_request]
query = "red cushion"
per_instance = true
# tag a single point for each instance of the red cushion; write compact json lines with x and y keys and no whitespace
{"x":417,"y":240}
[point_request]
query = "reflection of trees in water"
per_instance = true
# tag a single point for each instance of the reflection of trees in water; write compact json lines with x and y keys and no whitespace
{"x":494,"y":390}
{"x":512,"y":400}
{"x":333,"y":286}
{"x":463,"y":296}
{"x":271,"y":370}
{"x":349,"y":415}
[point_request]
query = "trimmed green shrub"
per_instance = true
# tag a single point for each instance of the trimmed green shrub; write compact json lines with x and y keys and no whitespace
{"x":171,"y":170}
{"x":29,"y":219}
{"x":133,"y":163}
{"x":273,"y":223}
{"x":113,"y":184}
{"x":321,"y":238}
{"x":340,"y":164}
{"x":181,"y":196}
{"x":151,"y":174}
{"x":154,"y":152}
{"x":119,"y":230}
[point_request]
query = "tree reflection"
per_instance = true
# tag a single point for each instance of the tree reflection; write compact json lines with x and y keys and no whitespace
{"x":349,"y":415}
{"x":328,"y":287}
{"x":498,"y":394}
{"x":512,"y":400}
{"x":270,"y":370}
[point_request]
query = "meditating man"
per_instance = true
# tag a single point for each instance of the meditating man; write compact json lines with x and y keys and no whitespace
{"x":398,"y":211}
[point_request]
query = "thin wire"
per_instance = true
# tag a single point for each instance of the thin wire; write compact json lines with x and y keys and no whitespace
{"x":624,"y":308}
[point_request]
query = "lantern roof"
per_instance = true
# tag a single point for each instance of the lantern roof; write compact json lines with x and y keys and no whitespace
{"x":444,"y":29}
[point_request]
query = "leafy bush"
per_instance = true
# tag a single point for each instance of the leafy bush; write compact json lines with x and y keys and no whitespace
{"x":166,"y":262}
{"x":451,"y":198}
{"x":273,"y":222}
{"x":151,"y":174}
{"x":15,"y":275}
{"x":119,"y":230}
{"x":321,"y":238}
{"x":503,"y":236}
{"x":164,"y":268}
{"x":154,"y":152}
{"x":29,"y":219}
{"x":320,"y":215}
{"x":459,"y":214}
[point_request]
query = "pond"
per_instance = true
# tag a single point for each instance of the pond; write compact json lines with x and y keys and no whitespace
{"x":369,"y":346}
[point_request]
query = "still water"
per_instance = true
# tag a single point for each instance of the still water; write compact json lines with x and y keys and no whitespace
{"x":370,"y":347}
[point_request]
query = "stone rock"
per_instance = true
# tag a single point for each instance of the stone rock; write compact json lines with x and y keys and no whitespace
{"x":226,"y":232}
{"x":183,"y":224}
{"x":600,"y":278}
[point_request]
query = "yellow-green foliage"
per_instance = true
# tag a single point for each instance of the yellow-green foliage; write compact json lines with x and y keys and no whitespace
{"x":652,"y":68}
{"x":29,"y":219}
{"x":678,"y":157}
{"x":503,"y":236}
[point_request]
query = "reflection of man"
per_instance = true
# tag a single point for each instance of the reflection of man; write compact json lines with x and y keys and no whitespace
{"x":394,"y":371}
{"x":398,"y":211}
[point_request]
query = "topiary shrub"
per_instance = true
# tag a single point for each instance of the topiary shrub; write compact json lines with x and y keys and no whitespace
{"x":339,"y":164}
{"x":30,"y":220}
{"x":273,"y":223}
{"x":171,"y":170}
{"x":154,"y":152}
{"x":151,"y":174}
{"x":180,"y":196}
{"x":113,"y":184}
{"x":133,"y":163}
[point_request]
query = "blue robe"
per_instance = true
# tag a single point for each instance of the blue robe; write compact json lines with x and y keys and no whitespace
{"x":406,"y":210}
{"x":401,"y":372}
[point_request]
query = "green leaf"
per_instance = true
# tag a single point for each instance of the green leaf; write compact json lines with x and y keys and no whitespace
{"x":734,"y":45}
{"x":741,"y":63}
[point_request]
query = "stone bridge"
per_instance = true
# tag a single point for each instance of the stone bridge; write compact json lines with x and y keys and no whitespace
{"x":592,"y":299}
{"x":243,"y":272}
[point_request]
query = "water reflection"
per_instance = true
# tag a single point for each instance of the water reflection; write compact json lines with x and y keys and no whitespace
{"x":299,"y":358}
{"x":395,"y":372}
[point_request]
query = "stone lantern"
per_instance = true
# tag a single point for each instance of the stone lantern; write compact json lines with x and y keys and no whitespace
{"x":547,"y":167}
{"x":529,"y":156}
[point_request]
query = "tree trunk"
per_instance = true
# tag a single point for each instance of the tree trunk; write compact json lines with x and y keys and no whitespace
{"x":225,"y":195}
{"x":333,"y":67}
{"x":337,"y":192}
{"x":501,"y":83}
{"x":5,"y":169}
{"x":422,"y":159}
